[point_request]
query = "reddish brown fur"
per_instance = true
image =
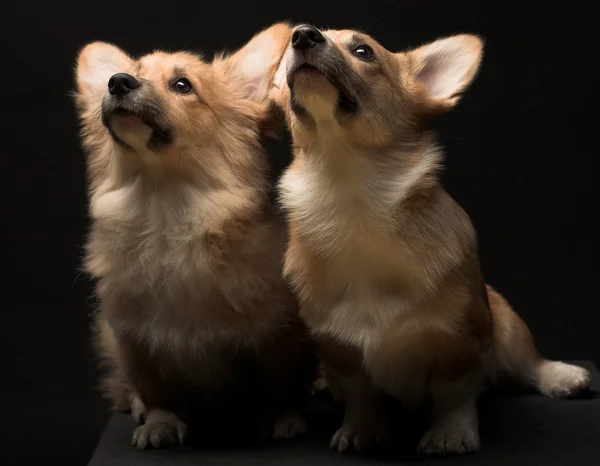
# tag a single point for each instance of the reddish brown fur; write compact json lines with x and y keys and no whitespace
{"x":185,"y":249}
{"x":383,"y":260}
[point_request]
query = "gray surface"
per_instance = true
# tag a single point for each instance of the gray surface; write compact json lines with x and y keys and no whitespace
{"x":519,"y":430}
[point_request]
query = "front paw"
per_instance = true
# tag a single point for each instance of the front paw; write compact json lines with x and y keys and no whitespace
{"x":319,"y":385}
{"x":159,"y":434}
{"x":288,"y":427}
{"x":449,"y":440}
{"x":360,"y":438}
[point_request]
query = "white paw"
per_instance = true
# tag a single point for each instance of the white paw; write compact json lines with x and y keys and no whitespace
{"x":449,"y":440}
{"x":560,"y":380}
{"x":360,"y":438}
{"x":288,"y":427}
{"x":319,"y":385}
{"x":157,"y":434}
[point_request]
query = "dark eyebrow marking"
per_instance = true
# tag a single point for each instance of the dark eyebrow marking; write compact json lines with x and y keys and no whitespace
{"x":179,"y":70}
{"x":357,"y":38}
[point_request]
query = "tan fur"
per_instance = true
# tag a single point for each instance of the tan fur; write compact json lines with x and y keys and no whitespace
{"x":383,"y":260}
{"x":186,"y":252}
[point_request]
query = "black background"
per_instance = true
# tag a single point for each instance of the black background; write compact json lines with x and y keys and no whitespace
{"x":519,"y":160}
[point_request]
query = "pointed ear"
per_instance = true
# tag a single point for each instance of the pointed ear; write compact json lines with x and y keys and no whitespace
{"x":252,"y":68}
{"x":96,"y":63}
{"x":446,"y":67}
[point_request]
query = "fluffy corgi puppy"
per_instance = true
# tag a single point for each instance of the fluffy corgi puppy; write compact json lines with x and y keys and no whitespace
{"x":185,"y":249}
{"x":383,"y":260}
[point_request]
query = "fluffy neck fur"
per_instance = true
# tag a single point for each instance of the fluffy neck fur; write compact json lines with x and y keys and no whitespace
{"x":381,"y":182}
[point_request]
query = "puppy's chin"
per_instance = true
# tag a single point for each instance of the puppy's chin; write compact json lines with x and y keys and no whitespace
{"x":130,"y":129}
{"x":315,"y":94}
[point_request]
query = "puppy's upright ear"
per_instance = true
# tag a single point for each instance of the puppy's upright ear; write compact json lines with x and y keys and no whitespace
{"x":445,"y":68}
{"x":96,"y":63}
{"x":252,"y":68}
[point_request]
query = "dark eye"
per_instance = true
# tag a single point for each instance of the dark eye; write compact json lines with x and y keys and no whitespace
{"x":364,"y":52}
{"x":182,"y":85}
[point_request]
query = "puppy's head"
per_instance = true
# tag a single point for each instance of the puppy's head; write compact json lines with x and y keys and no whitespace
{"x":164,"y":105}
{"x":352,"y":87}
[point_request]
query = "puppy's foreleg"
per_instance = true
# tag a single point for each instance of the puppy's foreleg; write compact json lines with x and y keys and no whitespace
{"x":162,"y":428}
{"x":365,"y":425}
{"x":155,"y":396}
{"x":287,"y":369}
{"x":455,"y":424}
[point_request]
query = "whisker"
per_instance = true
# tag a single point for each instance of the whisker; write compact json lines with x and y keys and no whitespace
{"x":374,"y":23}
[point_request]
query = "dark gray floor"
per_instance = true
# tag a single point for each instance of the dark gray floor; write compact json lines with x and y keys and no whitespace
{"x":516,"y":430}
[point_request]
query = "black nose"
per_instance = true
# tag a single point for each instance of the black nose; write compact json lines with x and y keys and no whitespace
{"x":306,"y":37}
{"x":121,"y":83}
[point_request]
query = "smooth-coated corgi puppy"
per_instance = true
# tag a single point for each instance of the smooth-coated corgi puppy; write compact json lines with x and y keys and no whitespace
{"x":185,"y":249}
{"x":383,"y":260}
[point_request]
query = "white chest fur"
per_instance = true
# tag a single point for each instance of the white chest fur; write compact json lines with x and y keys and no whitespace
{"x":338,"y":224}
{"x":361,"y":317}
{"x":373,"y":277}
{"x":151,"y":239}
{"x":155,"y":265}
